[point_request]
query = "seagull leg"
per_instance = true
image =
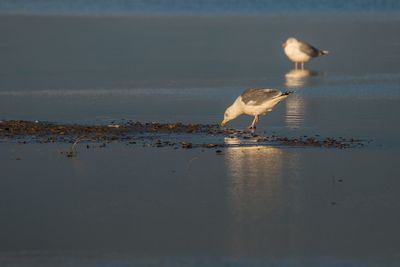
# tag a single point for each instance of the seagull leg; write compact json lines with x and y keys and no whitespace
{"x":302,"y":65}
{"x":253,"y":124}
{"x":295,"y":65}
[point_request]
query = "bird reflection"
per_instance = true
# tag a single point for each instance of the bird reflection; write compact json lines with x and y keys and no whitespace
{"x":258,"y":190}
{"x":295,"y":109}
{"x":255,"y":178}
{"x":297,"y":78}
{"x":237,"y":141}
{"x":244,"y":162}
{"x":295,"y":106}
{"x":254,"y":189}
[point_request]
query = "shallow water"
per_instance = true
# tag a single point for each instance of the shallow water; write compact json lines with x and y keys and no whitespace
{"x":167,"y":69}
{"x":251,"y":206}
{"x":254,"y":206}
{"x":197,"y":7}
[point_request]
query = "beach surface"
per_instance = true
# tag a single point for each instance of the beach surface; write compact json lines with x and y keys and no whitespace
{"x":119,"y":204}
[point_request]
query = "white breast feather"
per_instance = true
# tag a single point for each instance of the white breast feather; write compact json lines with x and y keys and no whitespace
{"x":294,"y":53}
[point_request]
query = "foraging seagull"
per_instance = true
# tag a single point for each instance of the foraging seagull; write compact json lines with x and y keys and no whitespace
{"x":300,"y":52}
{"x":254,"y":102}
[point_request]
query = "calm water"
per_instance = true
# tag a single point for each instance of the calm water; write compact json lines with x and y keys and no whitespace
{"x":126,"y":205}
{"x":199,"y":7}
{"x":132,"y":206}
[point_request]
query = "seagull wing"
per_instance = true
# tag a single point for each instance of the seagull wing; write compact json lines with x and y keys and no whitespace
{"x":309,"y":50}
{"x":257,"y":96}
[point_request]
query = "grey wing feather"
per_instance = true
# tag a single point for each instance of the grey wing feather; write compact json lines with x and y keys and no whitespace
{"x":309,"y":50}
{"x":259,"y":95}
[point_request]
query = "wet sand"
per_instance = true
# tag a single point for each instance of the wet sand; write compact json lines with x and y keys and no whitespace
{"x":159,"y":135}
{"x":118,"y":203}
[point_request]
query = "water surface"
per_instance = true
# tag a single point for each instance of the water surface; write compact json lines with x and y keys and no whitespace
{"x":200,"y":7}
{"x":128,"y":205}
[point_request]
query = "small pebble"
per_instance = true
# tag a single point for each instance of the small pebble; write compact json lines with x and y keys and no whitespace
{"x":211,"y":145}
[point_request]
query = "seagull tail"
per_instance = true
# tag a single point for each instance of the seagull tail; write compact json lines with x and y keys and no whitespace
{"x":287,"y":93}
{"x":323,"y":52}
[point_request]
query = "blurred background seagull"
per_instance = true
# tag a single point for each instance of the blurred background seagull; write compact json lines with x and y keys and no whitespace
{"x":254,"y":102}
{"x":300,"y":52}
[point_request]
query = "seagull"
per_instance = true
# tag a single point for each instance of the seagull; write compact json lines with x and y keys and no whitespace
{"x":254,"y":102}
{"x":300,"y":52}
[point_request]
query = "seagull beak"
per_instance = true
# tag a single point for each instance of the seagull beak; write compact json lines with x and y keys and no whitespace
{"x":223,"y":122}
{"x":284,"y":45}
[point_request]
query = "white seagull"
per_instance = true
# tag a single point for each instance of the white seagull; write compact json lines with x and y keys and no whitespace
{"x":300,"y":52}
{"x":254,"y":102}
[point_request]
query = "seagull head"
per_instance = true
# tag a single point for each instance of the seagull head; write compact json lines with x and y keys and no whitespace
{"x":230,"y":113}
{"x":290,"y":40}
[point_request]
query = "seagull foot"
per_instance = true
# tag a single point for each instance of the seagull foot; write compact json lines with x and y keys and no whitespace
{"x":251,"y":128}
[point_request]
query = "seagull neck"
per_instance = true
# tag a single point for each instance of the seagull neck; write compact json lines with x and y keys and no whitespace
{"x":236,"y":109}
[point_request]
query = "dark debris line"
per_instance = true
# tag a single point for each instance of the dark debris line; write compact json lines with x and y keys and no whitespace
{"x":154,"y":135}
